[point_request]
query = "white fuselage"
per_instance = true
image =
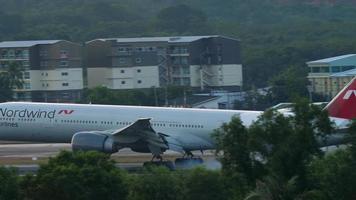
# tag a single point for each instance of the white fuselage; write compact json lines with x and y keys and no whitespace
{"x":48,"y":122}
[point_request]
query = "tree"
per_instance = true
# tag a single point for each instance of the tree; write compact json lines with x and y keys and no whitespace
{"x":155,"y":183}
{"x":77,"y":175}
{"x":5,"y":90}
{"x":204,"y":184}
{"x":10,"y":79}
{"x":239,"y":167}
{"x":264,"y":148}
{"x":334,"y":175}
{"x":182,"y":19}
{"x":289,"y":84}
{"x":9,"y":184}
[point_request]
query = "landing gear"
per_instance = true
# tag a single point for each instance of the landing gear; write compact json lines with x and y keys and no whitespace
{"x":188,"y":161}
{"x":158,"y":161}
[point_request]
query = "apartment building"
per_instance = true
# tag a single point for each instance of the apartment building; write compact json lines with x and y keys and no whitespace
{"x":328,"y":76}
{"x":52,"y":69}
{"x":197,"y":61}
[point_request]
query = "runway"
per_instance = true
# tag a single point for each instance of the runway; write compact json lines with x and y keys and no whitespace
{"x":27,"y":157}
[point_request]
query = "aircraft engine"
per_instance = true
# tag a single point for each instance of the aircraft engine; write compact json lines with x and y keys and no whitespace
{"x":96,"y":141}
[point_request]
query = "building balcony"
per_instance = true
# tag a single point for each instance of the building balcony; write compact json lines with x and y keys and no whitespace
{"x":10,"y":58}
{"x":172,"y":54}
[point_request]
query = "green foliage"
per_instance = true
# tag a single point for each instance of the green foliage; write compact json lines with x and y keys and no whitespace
{"x":10,"y":79}
{"x":103,"y":95}
{"x":289,"y":84}
{"x":204,"y":184}
{"x":239,"y":167}
{"x":79,"y":175}
{"x":334,"y":175}
{"x":155,"y":183}
{"x":182,"y":19}
{"x":265,"y":147}
{"x":144,"y":97}
{"x":5,"y":90}
{"x":274,"y":35}
{"x":352,"y":135}
{"x":254,"y":100}
{"x":272,"y":188}
{"x":9,"y":186}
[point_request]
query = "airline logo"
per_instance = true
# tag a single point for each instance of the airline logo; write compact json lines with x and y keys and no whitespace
{"x":65,"y":112}
{"x":344,"y":104}
{"x":25,"y":113}
{"x":349,"y":93}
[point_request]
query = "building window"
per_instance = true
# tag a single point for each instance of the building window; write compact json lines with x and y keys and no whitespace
{"x":123,"y":82}
{"x":43,"y":53}
{"x":27,"y":75}
{"x":3,"y":54}
{"x":25,"y":63}
{"x":25,"y":54}
{"x":64,"y":54}
{"x":175,"y":60}
{"x":139,"y":49}
{"x":176,"y":81}
{"x":138,"y":71}
{"x":18,"y":53}
{"x":186,"y":81}
{"x":219,"y":59}
{"x":27,"y":86}
{"x":176,"y":70}
{"x":64,"y":73}
{"x":138,"y":60}
{"x":139,"y":81}
{"x":151,"y":48}
{"x":345,"y":68}
{"x":184,"y":60}
{"x":65,"y":84}
{"x":122,"y":49}
{"x":122,"y":60}
{"x":122,"y":71}
{"x":44,"y":64}
{"x":219,"y":48}
{"x":63,"y":63}
{"x":315,"y":69}
{"x":186,"y":70}
{"x":209,"y":60}
{"x":11,"y":53}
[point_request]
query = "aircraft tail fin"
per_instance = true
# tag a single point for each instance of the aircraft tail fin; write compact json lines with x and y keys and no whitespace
{"x":343,"y":105}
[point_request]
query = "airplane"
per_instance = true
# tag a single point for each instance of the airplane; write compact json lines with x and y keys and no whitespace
{"x":108,"y":128}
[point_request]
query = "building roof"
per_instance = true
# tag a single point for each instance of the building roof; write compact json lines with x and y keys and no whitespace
{"x":12,"y":44}
{"x":174,"y":39}
{"x":332,"y":59}
{"x":351,"y":72}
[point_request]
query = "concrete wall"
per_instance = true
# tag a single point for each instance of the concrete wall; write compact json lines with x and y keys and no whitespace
{"x":124,"y":77}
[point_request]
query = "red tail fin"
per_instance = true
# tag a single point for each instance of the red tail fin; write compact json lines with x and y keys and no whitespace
{"x":344,"y":104}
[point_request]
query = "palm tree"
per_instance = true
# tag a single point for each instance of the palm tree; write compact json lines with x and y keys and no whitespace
{"x":10,"y":79}
{"x":15,"y":75}
{"x":272,"y":188}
